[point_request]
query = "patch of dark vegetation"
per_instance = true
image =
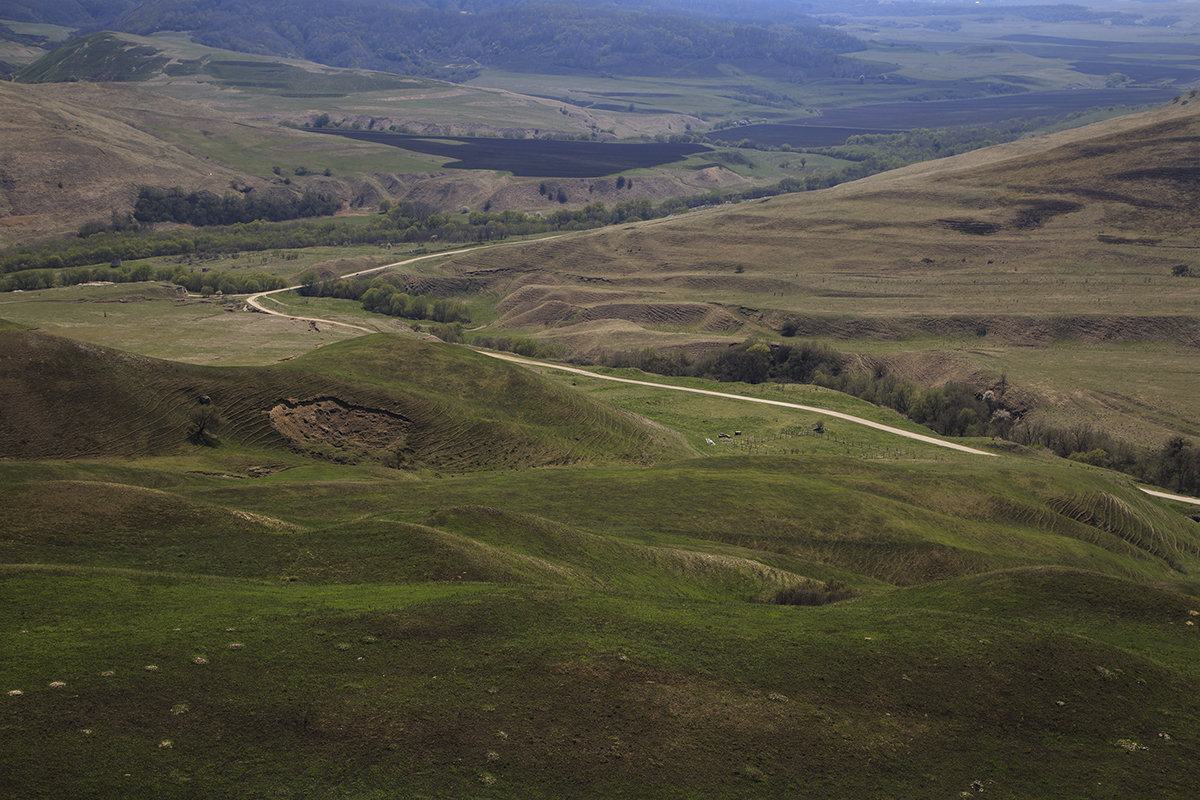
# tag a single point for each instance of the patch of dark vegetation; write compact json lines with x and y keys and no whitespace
{"x":550,"y":158}
{"x":387,"y":294}
{"x":1174,"y":174}
{"x":206,"y":208}
{"x":813,"y":593}
{"x":205,"y":420}
{"x":1036,"y":213}
{"x":974,"y":227}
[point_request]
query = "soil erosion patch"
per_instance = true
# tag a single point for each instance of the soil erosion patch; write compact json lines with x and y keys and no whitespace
{"x":329,"y":420}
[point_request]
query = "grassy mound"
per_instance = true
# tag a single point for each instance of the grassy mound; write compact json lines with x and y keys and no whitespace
{"x":95,"y":57}
{"x":403,"y":403}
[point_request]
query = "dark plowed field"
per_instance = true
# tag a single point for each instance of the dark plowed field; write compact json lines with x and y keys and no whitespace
{"x":545,"y":158}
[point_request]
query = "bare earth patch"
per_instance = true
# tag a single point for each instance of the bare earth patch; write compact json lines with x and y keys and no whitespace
{"x":329,"y":420}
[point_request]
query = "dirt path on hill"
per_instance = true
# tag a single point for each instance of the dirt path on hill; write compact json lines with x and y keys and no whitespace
{"x":255,"y":300}
{"x":962,"y":448}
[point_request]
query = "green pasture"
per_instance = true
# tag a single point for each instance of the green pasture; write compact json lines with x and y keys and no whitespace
{"x":492,"y":634}
{"x":316,"y":627}
{"x":258,"y":150}
{"x":154,"y":320}
{"x":445,"y":690}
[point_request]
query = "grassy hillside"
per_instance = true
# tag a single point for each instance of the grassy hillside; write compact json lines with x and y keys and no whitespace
{"x":404,"y":567}
{"x":337,"y":630}
{"x":387,"y":399}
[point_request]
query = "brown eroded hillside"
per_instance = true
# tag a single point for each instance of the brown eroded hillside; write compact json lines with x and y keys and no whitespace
{"x":73,"y":152}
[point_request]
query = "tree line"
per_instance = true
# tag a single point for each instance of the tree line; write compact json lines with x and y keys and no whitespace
{"x":123,"y":240}
{"x":386,"y":294}
{"x":204,"y":283}
{"x":205,"y":208}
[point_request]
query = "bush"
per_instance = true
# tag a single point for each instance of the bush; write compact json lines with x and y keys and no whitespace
{"x":812,"y":593}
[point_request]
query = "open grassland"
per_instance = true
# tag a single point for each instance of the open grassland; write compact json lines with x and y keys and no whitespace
{"x":155,"y":320}
{"x":276,"y":597}
{"x":590,"y":630}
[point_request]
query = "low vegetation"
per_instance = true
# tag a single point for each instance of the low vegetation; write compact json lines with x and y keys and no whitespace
{"x":563,"y":630}
{"x":951,"y":409}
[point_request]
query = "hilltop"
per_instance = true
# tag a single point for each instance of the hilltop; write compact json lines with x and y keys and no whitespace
{"x":77,"y":152}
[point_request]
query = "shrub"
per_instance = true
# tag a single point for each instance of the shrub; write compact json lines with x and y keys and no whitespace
{"x":812,"y":593}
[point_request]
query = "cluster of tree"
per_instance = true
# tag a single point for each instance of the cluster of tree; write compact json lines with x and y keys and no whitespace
{"x":386,"y":295}
{"x":206,"y":208}
{"x":1175,"y":465}
{"x":434,"y":39}
{"x":749,"y":362}
{"x":205,"y":283}
{"x":520,"y":345}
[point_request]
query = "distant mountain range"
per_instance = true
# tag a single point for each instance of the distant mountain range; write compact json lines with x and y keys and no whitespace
{"x":455,"y":41}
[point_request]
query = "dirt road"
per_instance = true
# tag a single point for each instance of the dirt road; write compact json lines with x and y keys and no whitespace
{"x":255,"y":301}
{"x":962,"y":448}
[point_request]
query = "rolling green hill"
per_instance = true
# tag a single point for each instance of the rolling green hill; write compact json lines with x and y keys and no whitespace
{"x":548,"y":595}
{"x":386,"y":399}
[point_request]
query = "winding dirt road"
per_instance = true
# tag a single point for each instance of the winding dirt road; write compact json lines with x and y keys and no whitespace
{"x":255,"y":301}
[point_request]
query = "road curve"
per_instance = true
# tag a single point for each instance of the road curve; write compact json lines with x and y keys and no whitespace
{"x":962,"y":448}
{"x":254,"y":301}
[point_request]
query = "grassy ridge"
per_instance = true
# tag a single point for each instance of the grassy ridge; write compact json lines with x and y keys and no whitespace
{"x":70,"y":400}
